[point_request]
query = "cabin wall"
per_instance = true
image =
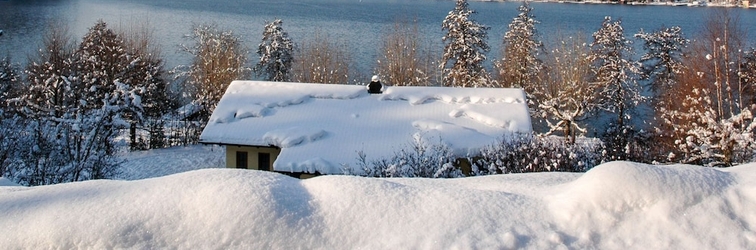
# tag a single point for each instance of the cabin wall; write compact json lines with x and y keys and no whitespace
{"x":253,"y":154}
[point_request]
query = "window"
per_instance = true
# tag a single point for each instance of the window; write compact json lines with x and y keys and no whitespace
{"x":241,"y":159}
{"x":263,"y":161}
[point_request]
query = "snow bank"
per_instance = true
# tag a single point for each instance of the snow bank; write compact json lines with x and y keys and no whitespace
{"x":614,"y":206}
{"x":322,"y":127}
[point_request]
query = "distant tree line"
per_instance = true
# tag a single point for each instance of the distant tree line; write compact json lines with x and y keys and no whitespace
{"x":67,"y":114}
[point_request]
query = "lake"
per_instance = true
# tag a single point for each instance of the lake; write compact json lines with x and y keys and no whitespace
{"x":356,"y":24}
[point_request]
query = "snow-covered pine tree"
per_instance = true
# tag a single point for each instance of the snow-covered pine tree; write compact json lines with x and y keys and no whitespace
{"x":219,"y":58}
{"x":714,"y":122}
{"x":101,"y":60}
{"x":276,"y":53}
{"x":567,"y":95}
{"x":404,"y":61}
{"x":662,"y":62}
{"x":520,"y":64}
{"x":465,"y":49}
{"x":662,"y":65}
{"x":9,"y":84}
{"x":620,"y":93}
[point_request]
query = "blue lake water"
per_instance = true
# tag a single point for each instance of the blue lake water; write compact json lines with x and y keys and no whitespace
{"x":353,"y":23}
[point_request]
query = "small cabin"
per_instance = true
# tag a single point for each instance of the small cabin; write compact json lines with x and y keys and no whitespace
{"x":305,"y":130}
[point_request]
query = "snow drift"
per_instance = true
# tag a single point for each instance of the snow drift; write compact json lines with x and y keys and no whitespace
{"x":615,"y":205}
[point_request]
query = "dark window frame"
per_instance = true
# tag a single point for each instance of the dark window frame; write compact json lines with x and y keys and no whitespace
{"x":263,"y":161}
{"x":242,"y":159}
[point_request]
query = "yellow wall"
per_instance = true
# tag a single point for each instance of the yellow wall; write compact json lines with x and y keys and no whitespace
{"x":251,"y":155}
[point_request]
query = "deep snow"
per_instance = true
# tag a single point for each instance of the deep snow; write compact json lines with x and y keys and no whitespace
{"x":613,"y":206}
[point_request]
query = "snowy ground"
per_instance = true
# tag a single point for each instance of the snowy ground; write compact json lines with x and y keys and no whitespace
{"x":614,"y":206}
{"x":162,"y":162}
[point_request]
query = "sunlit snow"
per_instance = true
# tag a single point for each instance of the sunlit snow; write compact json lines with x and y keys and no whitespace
{"x":617,"y":205}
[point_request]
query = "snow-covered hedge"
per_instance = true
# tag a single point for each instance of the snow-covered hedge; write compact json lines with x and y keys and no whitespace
{"x":513,"y":153}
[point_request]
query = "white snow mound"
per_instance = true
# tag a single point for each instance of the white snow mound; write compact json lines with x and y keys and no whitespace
{"x":617,"y":205}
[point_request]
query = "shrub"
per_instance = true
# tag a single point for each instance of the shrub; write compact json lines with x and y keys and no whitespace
{"x":521,"y":153}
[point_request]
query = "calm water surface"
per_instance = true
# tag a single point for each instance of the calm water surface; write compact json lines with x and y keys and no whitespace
{"x":353,"y":23}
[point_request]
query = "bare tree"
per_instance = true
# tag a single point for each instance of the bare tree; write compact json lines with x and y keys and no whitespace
{"x":404,"y":61}
{"x":49,"y":74}
{"x":146,"y":74}
{"x":219,"y":58}
{"x":321,"y":60}
{"x":714,"y":121}
{"x":567,"y":96}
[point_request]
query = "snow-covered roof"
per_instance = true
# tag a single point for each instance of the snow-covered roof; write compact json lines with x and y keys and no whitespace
{"x":322,"y":127}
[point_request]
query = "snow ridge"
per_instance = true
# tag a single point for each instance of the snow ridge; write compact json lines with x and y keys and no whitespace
{"x":618,"y":205}
{"x":293,"y":136}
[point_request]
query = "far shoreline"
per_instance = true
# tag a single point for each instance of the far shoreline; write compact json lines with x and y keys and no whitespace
{"x":701,"y":3}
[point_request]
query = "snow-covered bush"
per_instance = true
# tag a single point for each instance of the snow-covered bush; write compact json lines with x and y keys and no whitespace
{"x":419,"y":158}
{"x":276,"y":53}
{"x":521,"y":153}
{"x":11,"y":140}
{"x":465,"y":49}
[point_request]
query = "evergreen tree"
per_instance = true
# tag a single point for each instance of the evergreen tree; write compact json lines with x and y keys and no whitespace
{"x":101,"y":60}
{"x":520,"y":65}
{"x":276,"y":53}
{"x":662,"y":62}
{"x":662,"y":65}
{"x":9,"y":84}
{"x":464,"y":49}
{"x":620,"y":91}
